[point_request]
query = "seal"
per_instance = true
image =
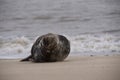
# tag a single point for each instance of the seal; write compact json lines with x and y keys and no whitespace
{"x":49,"y":48}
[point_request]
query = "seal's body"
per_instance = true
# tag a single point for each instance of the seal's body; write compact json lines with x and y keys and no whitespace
{"x":49,"y":48}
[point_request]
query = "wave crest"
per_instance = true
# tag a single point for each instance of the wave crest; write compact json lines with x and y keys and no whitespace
{"x":85,"y":44}
{"x":15,"y":47}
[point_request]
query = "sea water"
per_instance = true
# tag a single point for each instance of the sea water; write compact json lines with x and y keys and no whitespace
{"x":92,"y":26}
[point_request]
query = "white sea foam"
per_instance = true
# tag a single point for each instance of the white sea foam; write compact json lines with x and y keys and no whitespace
{"x":95,"y":43}
{"x":18,"y":47}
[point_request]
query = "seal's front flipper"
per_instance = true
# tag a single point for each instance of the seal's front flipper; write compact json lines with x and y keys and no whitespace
{"x":27,"y":59}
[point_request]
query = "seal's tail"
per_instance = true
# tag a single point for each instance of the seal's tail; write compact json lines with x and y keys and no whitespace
{"x":26,"y":59}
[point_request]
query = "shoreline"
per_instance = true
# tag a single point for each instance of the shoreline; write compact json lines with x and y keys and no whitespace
{"x":73,"y":68}
{"x":70,"y":55}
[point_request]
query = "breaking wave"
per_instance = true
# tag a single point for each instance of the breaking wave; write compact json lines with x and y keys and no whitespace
{"x":85,"y":44}
{"x":14,"y":47}
{"x":94,"y":43}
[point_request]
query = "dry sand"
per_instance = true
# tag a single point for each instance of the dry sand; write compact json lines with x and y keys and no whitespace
{"x":73,"y":68}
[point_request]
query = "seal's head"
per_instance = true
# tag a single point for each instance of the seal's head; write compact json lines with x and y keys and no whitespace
{"x":49,"y":41}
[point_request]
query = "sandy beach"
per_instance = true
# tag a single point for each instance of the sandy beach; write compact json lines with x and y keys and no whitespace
{"x":91,"y":26}
{"x":73,"y":68}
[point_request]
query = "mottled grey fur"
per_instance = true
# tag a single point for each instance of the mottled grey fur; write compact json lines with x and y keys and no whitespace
{"x":49,"y":48}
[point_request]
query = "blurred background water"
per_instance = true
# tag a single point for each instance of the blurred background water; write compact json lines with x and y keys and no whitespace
{"x":92,"y":26}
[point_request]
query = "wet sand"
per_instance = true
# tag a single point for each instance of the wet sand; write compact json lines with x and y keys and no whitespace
{"x":73,"y":68}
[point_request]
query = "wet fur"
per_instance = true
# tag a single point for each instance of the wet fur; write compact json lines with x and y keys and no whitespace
{"x":49,"y":48}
